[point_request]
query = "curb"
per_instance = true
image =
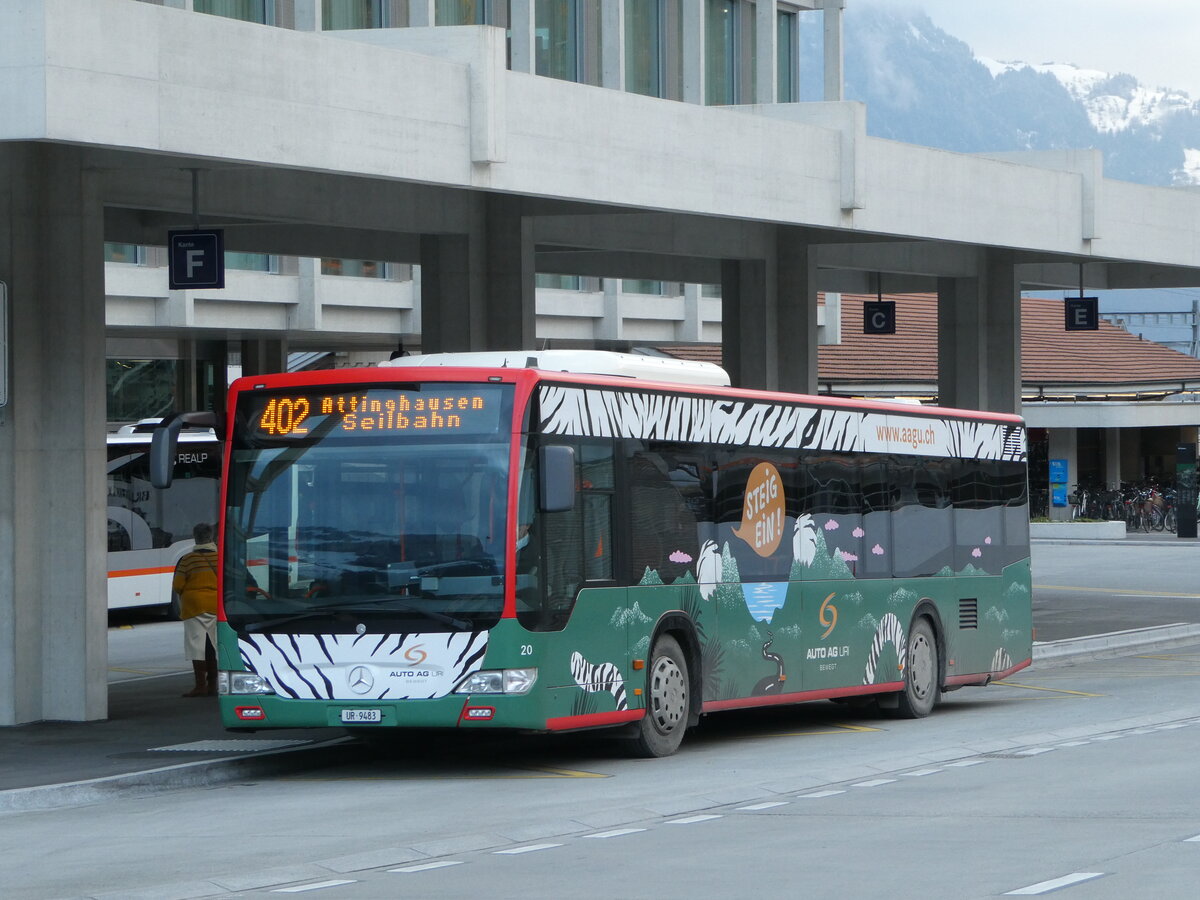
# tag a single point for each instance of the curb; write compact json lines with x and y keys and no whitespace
{"x":1115,"y":643}
{"x":202,"y":773}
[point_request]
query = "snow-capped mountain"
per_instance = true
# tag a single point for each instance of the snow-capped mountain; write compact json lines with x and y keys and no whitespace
{"x":924,"y":86}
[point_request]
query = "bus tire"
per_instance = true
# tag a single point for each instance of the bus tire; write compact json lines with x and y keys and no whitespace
{"x":921,"y":675}
{"x":668,"y":701}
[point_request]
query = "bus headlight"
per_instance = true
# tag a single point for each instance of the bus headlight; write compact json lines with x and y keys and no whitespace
{"x":498,"y":681}
{"x":242,"y":683}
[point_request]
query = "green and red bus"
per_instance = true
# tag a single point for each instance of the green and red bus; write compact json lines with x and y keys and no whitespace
{"x":482,"y":541}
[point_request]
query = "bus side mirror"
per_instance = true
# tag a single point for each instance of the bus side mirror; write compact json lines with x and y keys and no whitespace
{"x":164,"y":441}
{"x":557,"y":468}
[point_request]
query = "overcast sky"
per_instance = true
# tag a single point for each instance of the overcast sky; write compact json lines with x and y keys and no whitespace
{"x":1156,"y":41}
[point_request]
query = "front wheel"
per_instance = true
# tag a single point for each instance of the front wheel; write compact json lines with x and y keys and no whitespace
{"x":921,"y":674}
{"x":668,"y":701}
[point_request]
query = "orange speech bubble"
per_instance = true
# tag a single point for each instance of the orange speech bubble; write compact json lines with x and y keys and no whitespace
{"x":762,"y":510}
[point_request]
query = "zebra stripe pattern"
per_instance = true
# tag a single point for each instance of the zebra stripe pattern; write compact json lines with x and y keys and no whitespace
{"x":889,"y":631}
{"x":364,"y":666}
{"x":603,"y":412}
{"x":602,"y":677}
{"x":1001,"y":662}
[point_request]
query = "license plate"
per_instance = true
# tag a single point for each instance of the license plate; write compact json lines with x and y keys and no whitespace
{"x":358,"y":716}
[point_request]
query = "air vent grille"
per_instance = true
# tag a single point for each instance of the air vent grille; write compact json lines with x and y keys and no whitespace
{"x":968,"y":613}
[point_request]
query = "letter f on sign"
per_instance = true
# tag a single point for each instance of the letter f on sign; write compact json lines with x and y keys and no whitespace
{"x":195,"y":259}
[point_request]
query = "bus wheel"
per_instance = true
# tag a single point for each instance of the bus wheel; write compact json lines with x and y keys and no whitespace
{"x":667,"y":701}
{"x":921,"y":690}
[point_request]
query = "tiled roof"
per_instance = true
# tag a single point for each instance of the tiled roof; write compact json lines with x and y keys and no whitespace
{"x":1107,"y":360}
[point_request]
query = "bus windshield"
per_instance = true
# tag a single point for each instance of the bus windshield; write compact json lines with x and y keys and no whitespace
{"x":334,"y":531}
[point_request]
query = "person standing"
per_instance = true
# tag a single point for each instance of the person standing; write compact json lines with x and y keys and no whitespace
{"x":196,"y":583}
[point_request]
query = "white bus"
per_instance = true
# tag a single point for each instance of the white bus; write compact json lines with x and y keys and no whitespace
{"x":150,"y":529}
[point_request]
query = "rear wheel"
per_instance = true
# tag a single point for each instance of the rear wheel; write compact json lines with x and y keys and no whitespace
{"x":668,"y":701}
{"x":921,"y":673}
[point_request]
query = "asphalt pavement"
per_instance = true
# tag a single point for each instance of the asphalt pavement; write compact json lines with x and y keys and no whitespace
{"x":155,"y":740}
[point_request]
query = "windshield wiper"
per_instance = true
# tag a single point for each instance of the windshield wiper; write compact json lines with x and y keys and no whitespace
{"x":455,"y":623}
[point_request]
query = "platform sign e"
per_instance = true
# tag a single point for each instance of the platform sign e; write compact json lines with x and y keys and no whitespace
{"x":1083,"y":314}
{"x":196,"y":259}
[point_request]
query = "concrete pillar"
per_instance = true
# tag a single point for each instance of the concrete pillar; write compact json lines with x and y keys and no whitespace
{"x":692,"y":51}
{"x":796,"y":308}
{"x":692,"y":327}
{"x":1003,"y":334}
{"x":749,"y":324}
{"x":509,"y":287}
{"x":979,"y":338}
{"x":53,"y":536}
{"x":612,"y":44}
{"x":449,"y":322}
{"x":264,"y":356}
{"x":960,"y":343}
{"x":477,"y":289}
{"x":1112,"y":458}
{"x":834,"y":77}
{"x":612,"y":326}
{"x":523,"y":36}
{"x":1063,"y":445}
{"x":766,"y":37}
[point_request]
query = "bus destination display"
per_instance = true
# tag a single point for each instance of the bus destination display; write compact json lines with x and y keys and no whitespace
{"x":470,"y":409}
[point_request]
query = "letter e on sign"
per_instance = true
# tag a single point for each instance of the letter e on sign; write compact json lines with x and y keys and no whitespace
{"x":1083,"y":314}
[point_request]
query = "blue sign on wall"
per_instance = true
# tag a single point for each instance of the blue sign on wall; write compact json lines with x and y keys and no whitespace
{"x":1058,"y":471}
{"x":1058,"y":495}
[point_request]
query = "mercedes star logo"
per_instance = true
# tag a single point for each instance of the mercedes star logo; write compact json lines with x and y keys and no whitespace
{"x":360,"y":679}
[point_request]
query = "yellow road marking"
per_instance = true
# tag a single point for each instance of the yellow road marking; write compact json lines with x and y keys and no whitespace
{"x":531,"y":772}
{"x":841,"y":729}
{"x":1099,"y":590}
{"x":1034,"y":687}
{"x":135,"y":671}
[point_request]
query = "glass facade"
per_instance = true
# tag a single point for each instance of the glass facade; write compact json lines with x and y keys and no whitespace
{"x":471,"y":12}
{"x":248,"y":262}
{"x":644,"y":47}
{"x":567,"y":40}
{"x":361,"y":268}
{"x":121,"y":253}
{"x":337,"y":15}
{"x":720,"y":52}
{"x":785,"y":56}
{"x":261,"y":11}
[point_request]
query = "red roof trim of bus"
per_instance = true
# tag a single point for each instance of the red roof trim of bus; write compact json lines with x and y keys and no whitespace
{"x":514,"y":375}
{"x":803,"y":696}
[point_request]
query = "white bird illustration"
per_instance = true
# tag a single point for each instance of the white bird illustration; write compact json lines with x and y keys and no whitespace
{"x":804,"y":540}
{"x":708,"y":569}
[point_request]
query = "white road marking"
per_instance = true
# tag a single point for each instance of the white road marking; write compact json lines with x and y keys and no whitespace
{"x":1034,"y":751}
{"x":690,"y":819}
{"x":819,"y":794}
{"x":425,"y":867}
{"x":1045,"y":887}
{"x":617,"y":833}
{"x":963,"y":763}
{"x":875,"y":782}
{"x":1195,"y":839}
{"x":528,"y":849}
{"x":315,"y":886}
{"x":771,"y":805}
{"x":1108,"y":737}
{"x":920,"y":773}
{"x":1074,"y":743}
